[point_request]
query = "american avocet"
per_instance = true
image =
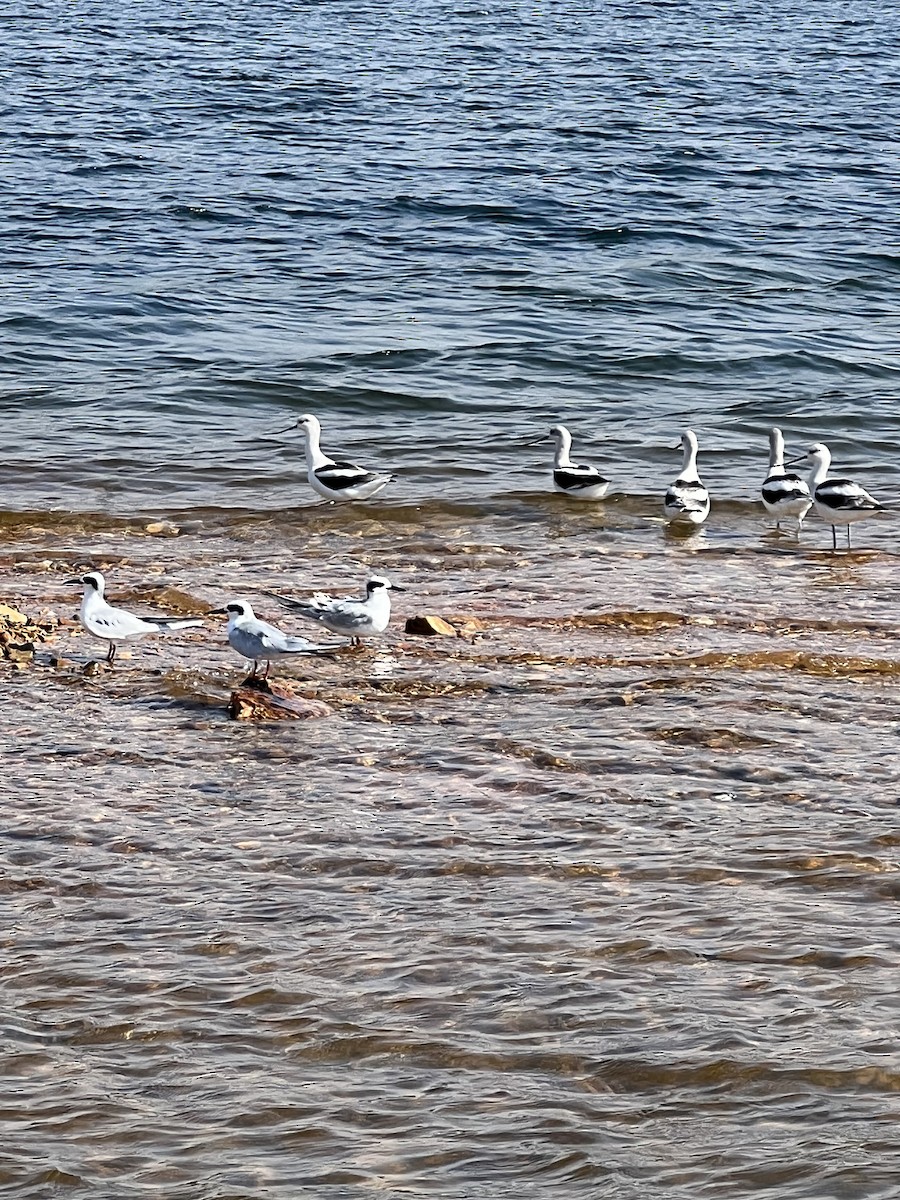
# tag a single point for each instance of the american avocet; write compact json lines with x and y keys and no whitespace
{"x":114,"y":625}
{"x":258,"y":640}
{"x":336,"y":480}
{"x":837,"y":501}
{"x":687,"y":500}
{"x":784,"y":494}
{"x":573,"y":479}
{"x":351,"y":617}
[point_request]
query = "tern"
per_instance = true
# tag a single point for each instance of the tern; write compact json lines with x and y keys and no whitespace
{"x":349,"y":616}
{"x":258,"y":640}
{"x":115,"y":625}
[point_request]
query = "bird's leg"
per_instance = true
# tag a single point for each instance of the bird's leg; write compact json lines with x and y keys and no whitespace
{"x":253,"y":672}
{"x":266,"y":672}
{"x":848,"y":537}
{"x":111,"y":653}
{"x":778,"y":527}
{"x":834,"y":538}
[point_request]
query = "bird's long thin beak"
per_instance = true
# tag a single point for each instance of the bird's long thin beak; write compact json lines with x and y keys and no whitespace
{"x":537,"y":441}
{"x":281,"y":432}
{"x":792,"y":462}
{"x":677,"y":446}
{"x":215,"y":612}
{"x":67,"y":581}
{"x":396,"y":588}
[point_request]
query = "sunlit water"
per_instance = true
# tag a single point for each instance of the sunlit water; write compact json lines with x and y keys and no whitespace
{"x":600,"y":899}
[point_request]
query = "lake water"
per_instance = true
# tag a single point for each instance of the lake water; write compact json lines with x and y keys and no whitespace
{"x":600,"y":901}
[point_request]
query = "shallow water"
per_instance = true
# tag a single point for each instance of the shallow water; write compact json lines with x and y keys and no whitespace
{"x":598,"y":900}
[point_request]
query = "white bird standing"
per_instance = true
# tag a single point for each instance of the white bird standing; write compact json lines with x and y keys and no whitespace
{"x":837,"y":501}
{"x":258,"y":640}
{"x":336,"y":480}
{"x":573,"y":479}
{"x":687,"y":500}
{"x":783,"y":493}
{"x":349,"y":616}
{"x":115,"y":625}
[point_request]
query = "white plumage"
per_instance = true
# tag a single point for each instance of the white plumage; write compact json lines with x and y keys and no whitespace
{"x":352,"y":617}
{"x":837,"y":501}
{"x":784,"y":494}
{"x":259,"y":641}
{"x":576,"y":480}
{"x":114,"y":625}
{"x":687,"y":500}
{"x":336,"y":480}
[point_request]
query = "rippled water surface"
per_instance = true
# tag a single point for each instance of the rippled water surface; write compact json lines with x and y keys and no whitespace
{"x":599,"y":899}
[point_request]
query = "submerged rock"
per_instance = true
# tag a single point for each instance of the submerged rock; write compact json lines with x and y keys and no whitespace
{"x":260,"y":700}
{"x":162,"y":529}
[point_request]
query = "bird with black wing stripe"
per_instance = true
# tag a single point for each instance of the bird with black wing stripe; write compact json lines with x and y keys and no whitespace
{"x":783,"y":493}
{"x":335,"y":480}
{"x":837,"y":501}
{"x":577,"y":480}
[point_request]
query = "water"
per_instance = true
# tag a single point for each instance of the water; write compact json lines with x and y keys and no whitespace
{"x":601,"y":901}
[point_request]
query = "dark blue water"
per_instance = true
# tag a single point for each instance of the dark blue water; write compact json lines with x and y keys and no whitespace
{"x":439,"y":224}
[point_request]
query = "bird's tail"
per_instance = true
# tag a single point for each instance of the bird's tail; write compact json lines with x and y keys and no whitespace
{"x":164,"y":624}
{"x":299,"y":645}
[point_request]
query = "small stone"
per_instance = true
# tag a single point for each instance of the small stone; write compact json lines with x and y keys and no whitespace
{"x":12,"y":616}
{"x":162,"y":529}
{"x":19,"y":651}
{"x":430,"y":626}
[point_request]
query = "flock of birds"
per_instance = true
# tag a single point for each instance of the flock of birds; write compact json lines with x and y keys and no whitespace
{"x":253,"y":639}
{"x":686,"y":502}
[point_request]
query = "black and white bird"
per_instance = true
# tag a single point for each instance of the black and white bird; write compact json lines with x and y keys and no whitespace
{"x":687,"y":500}
{"x":259,"y":641}
{"x":336,"y":480}
{"x":114,"y":625}
{"x":354,"y":618}
{"x":837,"y":501}
{"x":573,"y":479}
{"x":783,"y":493}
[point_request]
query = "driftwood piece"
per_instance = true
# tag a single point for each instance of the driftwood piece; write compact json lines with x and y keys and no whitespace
{"x":259,"y":700}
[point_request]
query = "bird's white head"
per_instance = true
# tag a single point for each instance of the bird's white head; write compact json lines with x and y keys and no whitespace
{"x":309,"y":424}
{"x":92,"y":582}
{"x":559,"y":433}
{"x":380,"y":585}
{"x":816,"y":456}
{"x":235,"y":610}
